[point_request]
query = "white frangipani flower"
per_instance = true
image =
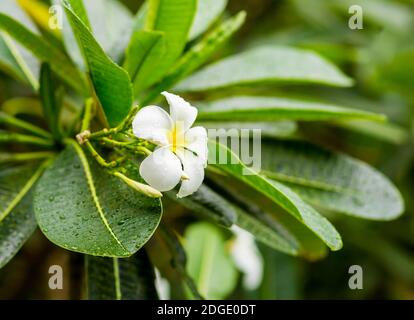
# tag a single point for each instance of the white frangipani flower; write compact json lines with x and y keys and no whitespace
{"x":182,"y":151}
{"x":247,"y":258}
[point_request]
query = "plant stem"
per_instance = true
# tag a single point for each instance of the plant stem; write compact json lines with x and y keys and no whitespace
{"x":87,"y":115}
{"x":100,"y":159}
{"x":126,"y":145}
{"x":26,"y":156}
{"x":126,"y":123}
{"x":22,"y":138}
{"x":13,"y":121}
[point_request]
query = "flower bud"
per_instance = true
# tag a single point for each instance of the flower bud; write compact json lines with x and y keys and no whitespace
{"x":140,"y":187}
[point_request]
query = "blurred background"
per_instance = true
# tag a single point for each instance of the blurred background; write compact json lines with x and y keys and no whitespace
{"x":381,"y":59}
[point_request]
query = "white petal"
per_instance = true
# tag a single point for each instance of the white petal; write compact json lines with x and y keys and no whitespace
{"x":161,"y":170}
{"x":196,"y":141}
{"x":247,"y":258}
{"x":181,"y":111}
{"x":152,"y":123}
{"x":163,"y":286}
{"x":194,"y":171}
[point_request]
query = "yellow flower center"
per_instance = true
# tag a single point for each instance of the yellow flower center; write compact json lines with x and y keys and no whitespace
{"x":176,"y":137}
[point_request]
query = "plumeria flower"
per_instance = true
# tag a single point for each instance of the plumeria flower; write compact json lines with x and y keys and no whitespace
{"x":247,"y":258}
{"x":181,"y":153}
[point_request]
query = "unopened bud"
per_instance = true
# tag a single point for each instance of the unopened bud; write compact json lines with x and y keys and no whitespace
{"x":140,"y":187}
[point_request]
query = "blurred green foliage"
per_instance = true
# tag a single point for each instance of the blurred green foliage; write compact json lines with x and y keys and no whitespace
{"x":380,"y":58}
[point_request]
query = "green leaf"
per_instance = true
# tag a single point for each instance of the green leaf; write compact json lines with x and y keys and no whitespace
{"x":23,"y":125}
{"x":198,"y":54}
{"x":266,"y":65}
{"x":207,"y":12}
{"x":179,"y":260}
{"x":245,"y":108}
{"x":209,"y":264}
{"x":44,"y":51}
{"x":17,"y":221}
{"x":272,"y":129}
{"x":209,"y":204}
{"x":281,"y":276}
{"x":111,"y":82}
{"x":265,"y":234}
{"x":139,"y":18}
{"x":144,"y":53}
{"x":120,"y":279}
{"x":387,"y":132}
{"x":12,"y":137}
{"x":212,"y":205}
{"x":13,"y":64}
{"x":298,"y":236}
{"x":79,"y":7}
{"x":391,"y":14}
{"x":174,"y":18}
{"x":111,"y":23}
{"x":15,"y":59}
{"x":108,"y":20}
{"x":51,"y":105}
{"x":276,"y":192}
{"x":332,"y":180}
{"x":81,"y":207}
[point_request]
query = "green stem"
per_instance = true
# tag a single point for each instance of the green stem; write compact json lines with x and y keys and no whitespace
{"x":99,"y":158}
{"x":126,"y":145}
{"x":121,"y":127}
{"x":26,"y":156}
{"x":87,"y":116}
{"x":22,"y":138}
{"x":13,"y":121}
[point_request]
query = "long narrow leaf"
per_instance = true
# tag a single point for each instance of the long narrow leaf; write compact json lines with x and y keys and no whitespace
{"x":245,"y":108}
{"x":266,"y":65}
{"x":199,"y":54}
{"x":51,"y":106}
{"x":174,"y":18}
{"x":276,"y":192}
{"x":44,"y":51}
{"x":111,"y":82}
{"x":120,"y":279}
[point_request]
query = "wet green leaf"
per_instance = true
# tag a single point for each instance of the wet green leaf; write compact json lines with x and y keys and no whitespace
{"x":266,"y":65}
{"x":245,"y":108}
{"x":332,"y":180}
{"x":120,"y":279}
{"x":225,"y":160}
{"x":80,"y":207}
{"x":111,"y":82}
{"x":44,"y":51}
{"x":17,"y":221}
{"x":174,"y":18}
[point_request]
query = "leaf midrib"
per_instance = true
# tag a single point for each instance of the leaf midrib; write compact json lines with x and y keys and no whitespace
{"x":205,"y":270}
{"x":147,"y":53}
{"x":20,"y":61}
{"x":26,"y":188}
{"x":95,"y":198}
{"x":309,"y":183}
{"x":287,"y":204}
